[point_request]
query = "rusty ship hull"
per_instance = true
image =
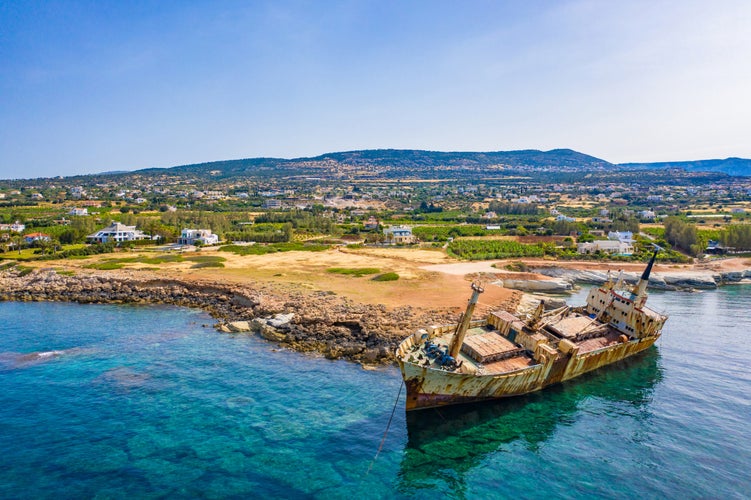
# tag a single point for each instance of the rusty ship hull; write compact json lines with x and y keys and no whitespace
{"x":504,"y":355}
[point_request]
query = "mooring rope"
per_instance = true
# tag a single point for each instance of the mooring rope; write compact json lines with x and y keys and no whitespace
{"x":388,"y":426}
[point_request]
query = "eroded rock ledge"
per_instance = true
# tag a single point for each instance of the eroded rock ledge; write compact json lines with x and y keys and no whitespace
{"x":563,"y":280}
{"x":302,"y":320}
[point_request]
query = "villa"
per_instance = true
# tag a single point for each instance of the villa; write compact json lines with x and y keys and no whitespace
{"x":606,"y":246}
{"x":399,"y":235}
{"x":200,"y":236}
{"x":117,"y":233}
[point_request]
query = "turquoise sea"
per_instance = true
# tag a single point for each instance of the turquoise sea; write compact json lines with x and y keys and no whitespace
{"x":110,"y":401}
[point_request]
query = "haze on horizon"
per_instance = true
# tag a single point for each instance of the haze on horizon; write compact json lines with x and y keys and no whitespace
{"x":88,"y":87}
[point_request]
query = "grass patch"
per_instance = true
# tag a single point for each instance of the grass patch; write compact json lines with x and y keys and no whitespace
{"x":201,"y":265}
{"x":260,"y":249}
{"x":105,"y":266}
{"x":386,"y":277}
{"x":24,"y":254}
{"x":7,"y":265}
{"x":159,"y":259}
{"x":206,"y":259}
{"x":23,"y":270}
{"x":356,"y":271}
{"x":65,"y":272}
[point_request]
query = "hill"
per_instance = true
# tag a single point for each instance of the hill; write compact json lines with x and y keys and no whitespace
{"x":394,"y":163}
{"x":730,"y":166}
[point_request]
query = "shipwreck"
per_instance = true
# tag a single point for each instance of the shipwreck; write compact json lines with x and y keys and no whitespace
{"x":504,"y":355}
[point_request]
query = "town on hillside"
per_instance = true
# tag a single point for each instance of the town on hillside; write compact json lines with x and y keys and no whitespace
{"x":470,"y":212}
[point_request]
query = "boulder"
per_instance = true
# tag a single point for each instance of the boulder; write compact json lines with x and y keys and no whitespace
{"x":239,"y":326}
{"x":702,"y":281}
{"x":544,"y":286}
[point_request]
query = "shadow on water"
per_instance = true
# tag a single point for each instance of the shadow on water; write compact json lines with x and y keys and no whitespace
{"x":449,"y":442}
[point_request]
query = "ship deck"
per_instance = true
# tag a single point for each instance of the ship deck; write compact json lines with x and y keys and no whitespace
{"x":489,"y":343}
{"x":485,"y":351}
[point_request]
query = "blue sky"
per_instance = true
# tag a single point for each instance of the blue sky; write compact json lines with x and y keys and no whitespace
{"x":95,"y":86}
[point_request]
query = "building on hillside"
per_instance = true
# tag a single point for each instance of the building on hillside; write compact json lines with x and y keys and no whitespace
{"x":622,"y":236}
{"x":371,"y":223}
{"x":16,"y":227}
{"x":117,"y":233}
{"x":714,"y":247}
{"x":398,"y":235}
{"x":32,"y":237}
{"x":80,"y":212}
{"x":607,"y":246}
{"x":197,"y":236}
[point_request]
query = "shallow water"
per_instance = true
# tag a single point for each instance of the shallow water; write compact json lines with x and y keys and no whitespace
{"x":142,"y":401}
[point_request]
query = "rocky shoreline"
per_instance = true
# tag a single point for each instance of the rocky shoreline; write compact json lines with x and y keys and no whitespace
{"x":564,"y":280}
{"x":305,"y":321}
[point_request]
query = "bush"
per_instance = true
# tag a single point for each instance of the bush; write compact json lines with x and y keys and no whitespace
{"x":105,"y":266}
{"x":201,"y":265}
{"x":386,"y":277}
{"x":359,"y":272}
{"x":206,"y":259}
{"x":23,"y":270}
{"x":276,"y":247}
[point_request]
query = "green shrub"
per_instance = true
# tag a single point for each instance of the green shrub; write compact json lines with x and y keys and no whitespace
{"x":105,"y":266}
{"x":206,"y":258}
{"x":272,"y":248}
{"x":23,"y":270}
{"x":357,"y":271}
{"x":386,"y":277}
{"x":201,"y":265}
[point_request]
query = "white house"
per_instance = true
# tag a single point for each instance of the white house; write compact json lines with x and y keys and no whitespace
{"x":622,"y":236}
{"x":117,"y":233}
{"x":16,"y":227}
{"x":607,"y":246}
{"x":79,"y":211}
{"x":201,"y":236}
{"x":272,"y":203}
{"x":32,"y":237}
{"x":399,"y":235}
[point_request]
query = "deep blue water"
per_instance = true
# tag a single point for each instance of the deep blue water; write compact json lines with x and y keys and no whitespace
{"x":145,"y":402}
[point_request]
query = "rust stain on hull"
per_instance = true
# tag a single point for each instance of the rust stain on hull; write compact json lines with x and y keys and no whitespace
{"x":424,"y":391}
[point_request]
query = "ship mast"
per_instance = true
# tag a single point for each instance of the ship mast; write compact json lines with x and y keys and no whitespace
{"x":456,"y":344}
{"x":641,"y":286}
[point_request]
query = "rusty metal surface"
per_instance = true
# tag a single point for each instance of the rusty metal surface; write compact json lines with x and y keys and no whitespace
{"x":428,"y":387}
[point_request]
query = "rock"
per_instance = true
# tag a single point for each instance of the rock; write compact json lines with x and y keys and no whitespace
{"x":239,"y":326}
{"x":280,"y":320}
{"x":271,"y":333}
{"x":545,"y":286}
{"x":732,"y":276}
{"x":702,"y":281}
